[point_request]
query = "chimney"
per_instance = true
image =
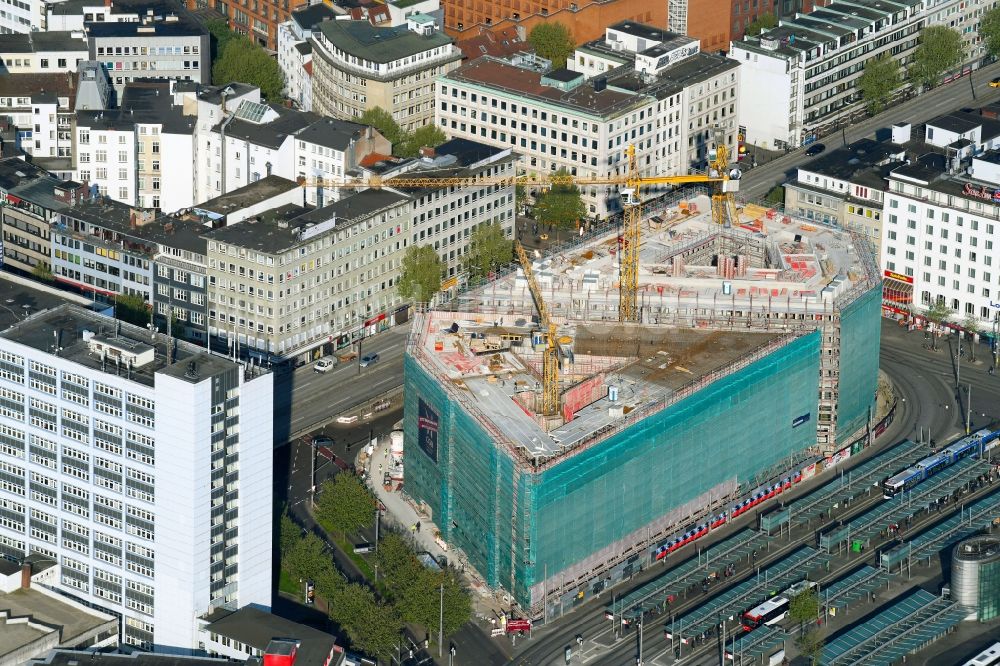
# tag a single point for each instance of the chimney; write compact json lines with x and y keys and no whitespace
{"x":26,"y":575}
{"x":107,"y":3}
{"x":427,"y":151}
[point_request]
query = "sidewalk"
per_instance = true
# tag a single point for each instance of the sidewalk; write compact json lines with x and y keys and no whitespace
{"x":400,"y":511}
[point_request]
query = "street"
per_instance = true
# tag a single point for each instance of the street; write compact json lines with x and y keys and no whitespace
{"x":757,"y":182}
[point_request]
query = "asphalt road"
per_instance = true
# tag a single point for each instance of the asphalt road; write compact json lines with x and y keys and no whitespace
{"x":756,"y":183}
{"x":305,"y":399}
{"x":925,"y":383}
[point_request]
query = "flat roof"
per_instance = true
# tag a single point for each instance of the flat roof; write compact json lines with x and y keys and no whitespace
{"x":259,"y":628}
{"x":97,"y":658}
{"x":118,"y":217}
{"x":646,"y":31}
{"x":71,"y":621}
{"x":381,"y":45}
{"x":248,"y":195}
{"x":497,"y":74}
{"x":491,"y":363}
{"x":39,"y":42}
{"x":39,"y":87}
{"x":862,"y":155}
{"x":68,"y":322}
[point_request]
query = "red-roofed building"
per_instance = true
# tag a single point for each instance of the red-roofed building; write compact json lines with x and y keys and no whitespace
{"x":499,"y":44}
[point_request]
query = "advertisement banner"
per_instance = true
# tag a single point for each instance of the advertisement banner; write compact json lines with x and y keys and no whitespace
{"x":427,"y":430}
{"x":741,"y":148}
{"x":809,"y":471}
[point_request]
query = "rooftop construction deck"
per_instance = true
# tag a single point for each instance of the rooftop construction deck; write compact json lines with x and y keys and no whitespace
{"x":712,"y":300}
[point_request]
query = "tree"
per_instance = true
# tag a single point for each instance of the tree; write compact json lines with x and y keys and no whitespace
{"x":553,"y":41}
{"x":761,"y":23}
{"x":971,"y":326}
{"x":132,"y":308}
{"x":42,"y":272}
{"x":428,"y":135}
{"x":804,"y":607}
{"x":307,"y":559}
{"x":562,"y":205}
{"x":345,"y":504}
{"x":220,"y":34}
{"x":810,"y":645}
{"x":372,"y":625}
{"x":989,"y":31}
{"x":776,"y":196}
{"x":242,"y":60}
{"x":937,"y":314}
{"x":880,"y":79}
{"x":289,"y":535}
{"x":421,"y":276}
{"x":489,"y":248}
{"x":939,"y":50}
{"x":520,"y":198}
{"x":383,"y":121}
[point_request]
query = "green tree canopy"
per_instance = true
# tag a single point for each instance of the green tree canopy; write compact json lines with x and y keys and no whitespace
{"x":242,"y":60}
{"x":132,"y":308}
{"x":421,"y":276}
{"x":562,"y":205}
{"x":554,"y":41}
{"x":42,"y":272}
{"x":937,"y":314}
{"x":761,"y":23}
{"x":344,"y":504}
{"x":307,"y":558}
{"x":776,"y":195}
{"x":804,"y":607}
{"x":989,"y":30}
{"x":880,"y":79}
{"x":220,"y":34}
{"x":373,"y":626}
{"x":972,"y":329}
{"x":289,"y":535}
{"x":383,"y":121}
{"x":489,"y":248}
{"x":810,"y":644}
{"x":940,"y":49}
{"x":428,"y":135}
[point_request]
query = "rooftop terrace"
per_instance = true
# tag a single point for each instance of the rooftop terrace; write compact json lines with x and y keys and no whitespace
{"x":713,"y":301}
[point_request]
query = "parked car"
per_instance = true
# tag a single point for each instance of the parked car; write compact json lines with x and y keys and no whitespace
{"x":815,"y":149}
{"x":995,"y":83}
{"x":322,"y":440}
{"x":369,"y":359}
{"x":325,"y":364}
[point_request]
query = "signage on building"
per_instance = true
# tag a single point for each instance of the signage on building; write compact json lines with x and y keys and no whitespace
{"x":427,"y":429}
{"x":897,"y":276}
{"x":981,"y":192}
{"x":741,"y":148}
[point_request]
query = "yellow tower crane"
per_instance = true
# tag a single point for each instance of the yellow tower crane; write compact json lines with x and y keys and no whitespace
{"x":550,"y":358}
{"x":724,"y":180}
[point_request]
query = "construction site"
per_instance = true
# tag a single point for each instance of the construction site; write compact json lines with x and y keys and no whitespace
{"x":557,"y":444}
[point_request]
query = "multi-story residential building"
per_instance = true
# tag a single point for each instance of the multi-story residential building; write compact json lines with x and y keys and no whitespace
{"x":400,"y":9}
{"x":258,"y":22}
{"x":108,"y":248}
{"x":647,"y":87}
{"x":295,"y":51}
{"x":357,"y":66}
{"x":245,"y":202}
{"x":444,"y":217}
{"x":585,"y":19}
{"x":42,"y":52}
{"x":296,"y":283}
{"x":257,"y":140}
{"x":846,"y":186}
{"x":30,"y":198}
{"x":141,"y":465}
{"x":940,"y":221}
{"x":125,"y":151}
{"x":809,"y":65}
{"x":40,"y":106}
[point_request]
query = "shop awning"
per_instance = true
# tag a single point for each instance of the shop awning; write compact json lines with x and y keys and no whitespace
{"x":897,"y":291}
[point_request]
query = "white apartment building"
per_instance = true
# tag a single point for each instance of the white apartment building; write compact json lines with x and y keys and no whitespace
{"x":940,"y":221}
{"x":42,"y":52}
{"x":295,"y":51}
{"x":142,"y":153}
{"x":142,"y":467}
{"x":295,"y":283}
{"x":40,"y":106}
{"x":665,"y":100}
{"x":809,"y":65}
{"x":357,"y":66}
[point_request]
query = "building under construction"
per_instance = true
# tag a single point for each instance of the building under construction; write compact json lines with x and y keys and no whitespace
{"x":756,"y":353}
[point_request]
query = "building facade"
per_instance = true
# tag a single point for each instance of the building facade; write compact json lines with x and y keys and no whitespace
{"x":294,"y":283}
{"x":667,"y":103}
{"x":810,"y":65}
{"x":42,"y":52}
{"x":40,"y":107}
{"x":141,"y":467}
{"x":357,"y":67}
{"x":295,"y":51}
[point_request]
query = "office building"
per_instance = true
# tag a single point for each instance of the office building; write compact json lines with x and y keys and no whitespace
{"x":298,"y":283}
{"x":581,"y":498}
{"x":640,"y":85}
{"x":357,"y":66}
{"x":252,"y":632}
{"x":142,"y":466}
{"x":585,"y":19}
{"x":142,"y":153}
{"x":40,"y":106}
{"x":295,"y":51}
{"x":42,"y":52}
{"x":31,"y":199}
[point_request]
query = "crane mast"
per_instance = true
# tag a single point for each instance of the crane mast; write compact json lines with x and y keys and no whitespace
{"x":550,"y":357}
